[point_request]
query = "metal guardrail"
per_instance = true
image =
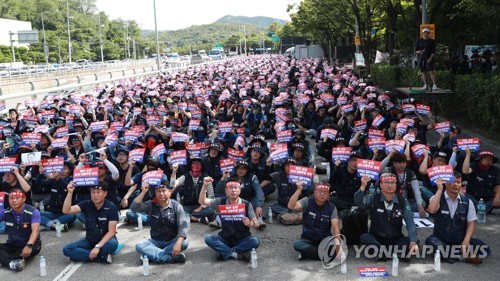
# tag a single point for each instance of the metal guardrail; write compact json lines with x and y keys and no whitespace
{"x":92,"y":80}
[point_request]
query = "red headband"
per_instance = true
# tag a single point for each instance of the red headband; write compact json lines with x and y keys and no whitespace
{"x":387,"y":178}
{"x":322,"y":187}
{"x":17,"y":194}
{"x":233,"y":183}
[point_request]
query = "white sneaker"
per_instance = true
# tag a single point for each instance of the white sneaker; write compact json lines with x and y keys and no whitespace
{"x":434,"y":87}
{"x":424,"y":87}
{"x":17,"y":264}
{"x":109,"y":259}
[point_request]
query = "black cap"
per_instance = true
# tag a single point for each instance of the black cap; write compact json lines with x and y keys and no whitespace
{"x":102,"y":185}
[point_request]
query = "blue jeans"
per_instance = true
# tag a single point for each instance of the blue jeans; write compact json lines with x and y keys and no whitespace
{"x":426,"y":193}
{"x":225,"y":248}
{"x":80,"y":250}
{"x":132,"y":217}
{"x":307,"y":249}
{"x":206,"y":212}
{"x":158,"y":251}
{"x":369,"y":239}
{"x":49,"y":218}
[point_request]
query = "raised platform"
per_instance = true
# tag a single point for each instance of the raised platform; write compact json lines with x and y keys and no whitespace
{"x":417,"y":93}
{"x":437,"y":99}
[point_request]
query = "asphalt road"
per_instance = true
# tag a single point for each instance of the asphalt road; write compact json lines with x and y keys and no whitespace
{"x":276,"y":260}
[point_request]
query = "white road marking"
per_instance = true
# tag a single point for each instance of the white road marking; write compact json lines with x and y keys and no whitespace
{"x":68,"y":271}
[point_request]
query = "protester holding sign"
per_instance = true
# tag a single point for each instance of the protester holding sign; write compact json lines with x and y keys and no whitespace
{"x":189,"y":185}
{"x":13,"y":179}
{"x":57,"y":183}
{"x":250,"y":188}
{"x":168,"y":226}
{"x":101,"y":220}
{"x":406,"y":180}
{"x":483,"y":179}
{"x":344,"y":182}
{"x":237,"y":216}
{"x":387,"y":211}
{"x":454,"y":223}
{"x":319,"y":220}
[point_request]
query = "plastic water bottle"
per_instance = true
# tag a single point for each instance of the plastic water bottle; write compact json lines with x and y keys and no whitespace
{"x":270,"y":215}
{"x":41,"y":206}
{"x":481,"y":211}
{"x":178,"y":198}
{"x":343,"y":263}
{"x":437,"y":261}
{"x":188,"y":221}
{"x":43,"y":266}
{"x":395,"y":265}
{"x":139,"y":222}
{"x":254,"y":258}
{"x":58,"y":229}
{"x":145,"y":266}
{"x":328,"y":171}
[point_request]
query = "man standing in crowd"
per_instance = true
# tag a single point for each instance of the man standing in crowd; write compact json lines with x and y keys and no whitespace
{"x":426,"y":49}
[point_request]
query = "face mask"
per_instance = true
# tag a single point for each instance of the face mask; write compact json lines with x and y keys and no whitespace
{"x":196,"y":169}
{"x":151,"y":143}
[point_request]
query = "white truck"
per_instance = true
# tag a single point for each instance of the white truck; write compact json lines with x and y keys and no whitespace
{"x":303,"y":51}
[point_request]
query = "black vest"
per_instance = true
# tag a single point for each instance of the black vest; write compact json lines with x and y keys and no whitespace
{"x":285,"y":189}
{"x":19,"y":232}
{"x":164,"y":228}
{"x":385,"y":224}
{"x":234,"y":231}
{"x":451,"y":230}
{"x":96,"y":224}
{"x":404,"y":188}
{"x":247,"y":191}
{"x":192,"y":192}
{"x":316,"y":224}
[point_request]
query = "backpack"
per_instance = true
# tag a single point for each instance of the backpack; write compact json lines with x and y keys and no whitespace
{"x":353,"y":225}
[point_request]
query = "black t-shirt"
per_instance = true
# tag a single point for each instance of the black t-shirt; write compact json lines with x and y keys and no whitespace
{"x":429,"y":46}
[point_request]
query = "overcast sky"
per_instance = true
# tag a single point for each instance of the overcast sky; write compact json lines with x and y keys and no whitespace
{"x":177,"y":14}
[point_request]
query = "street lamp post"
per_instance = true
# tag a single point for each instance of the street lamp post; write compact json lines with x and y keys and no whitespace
{"x":156,"y":38}
{"x":69,"y":32}
{"x":100,"y":39}
{"x":45,"y":48}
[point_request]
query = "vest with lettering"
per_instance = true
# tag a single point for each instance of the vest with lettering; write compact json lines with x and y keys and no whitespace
{"x":96,"y":222}
{"x":384,"y":225}
{"x":19,"y":232}
{"x":164,"y":228}
{"x":192,"y":192}
{"x":247,"y":191}
{"x":316,"y":224}
{"x":451,"y":230}
{"x":235,"y":230}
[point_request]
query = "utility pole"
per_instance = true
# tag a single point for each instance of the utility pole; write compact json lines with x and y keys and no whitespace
{"x":12,"y":47}
{"x":245,"y":34}
{"x":156,"y":39}
{"x":69,"y":32}
{"x":100,"y":39}
{"x":45,"y":48}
